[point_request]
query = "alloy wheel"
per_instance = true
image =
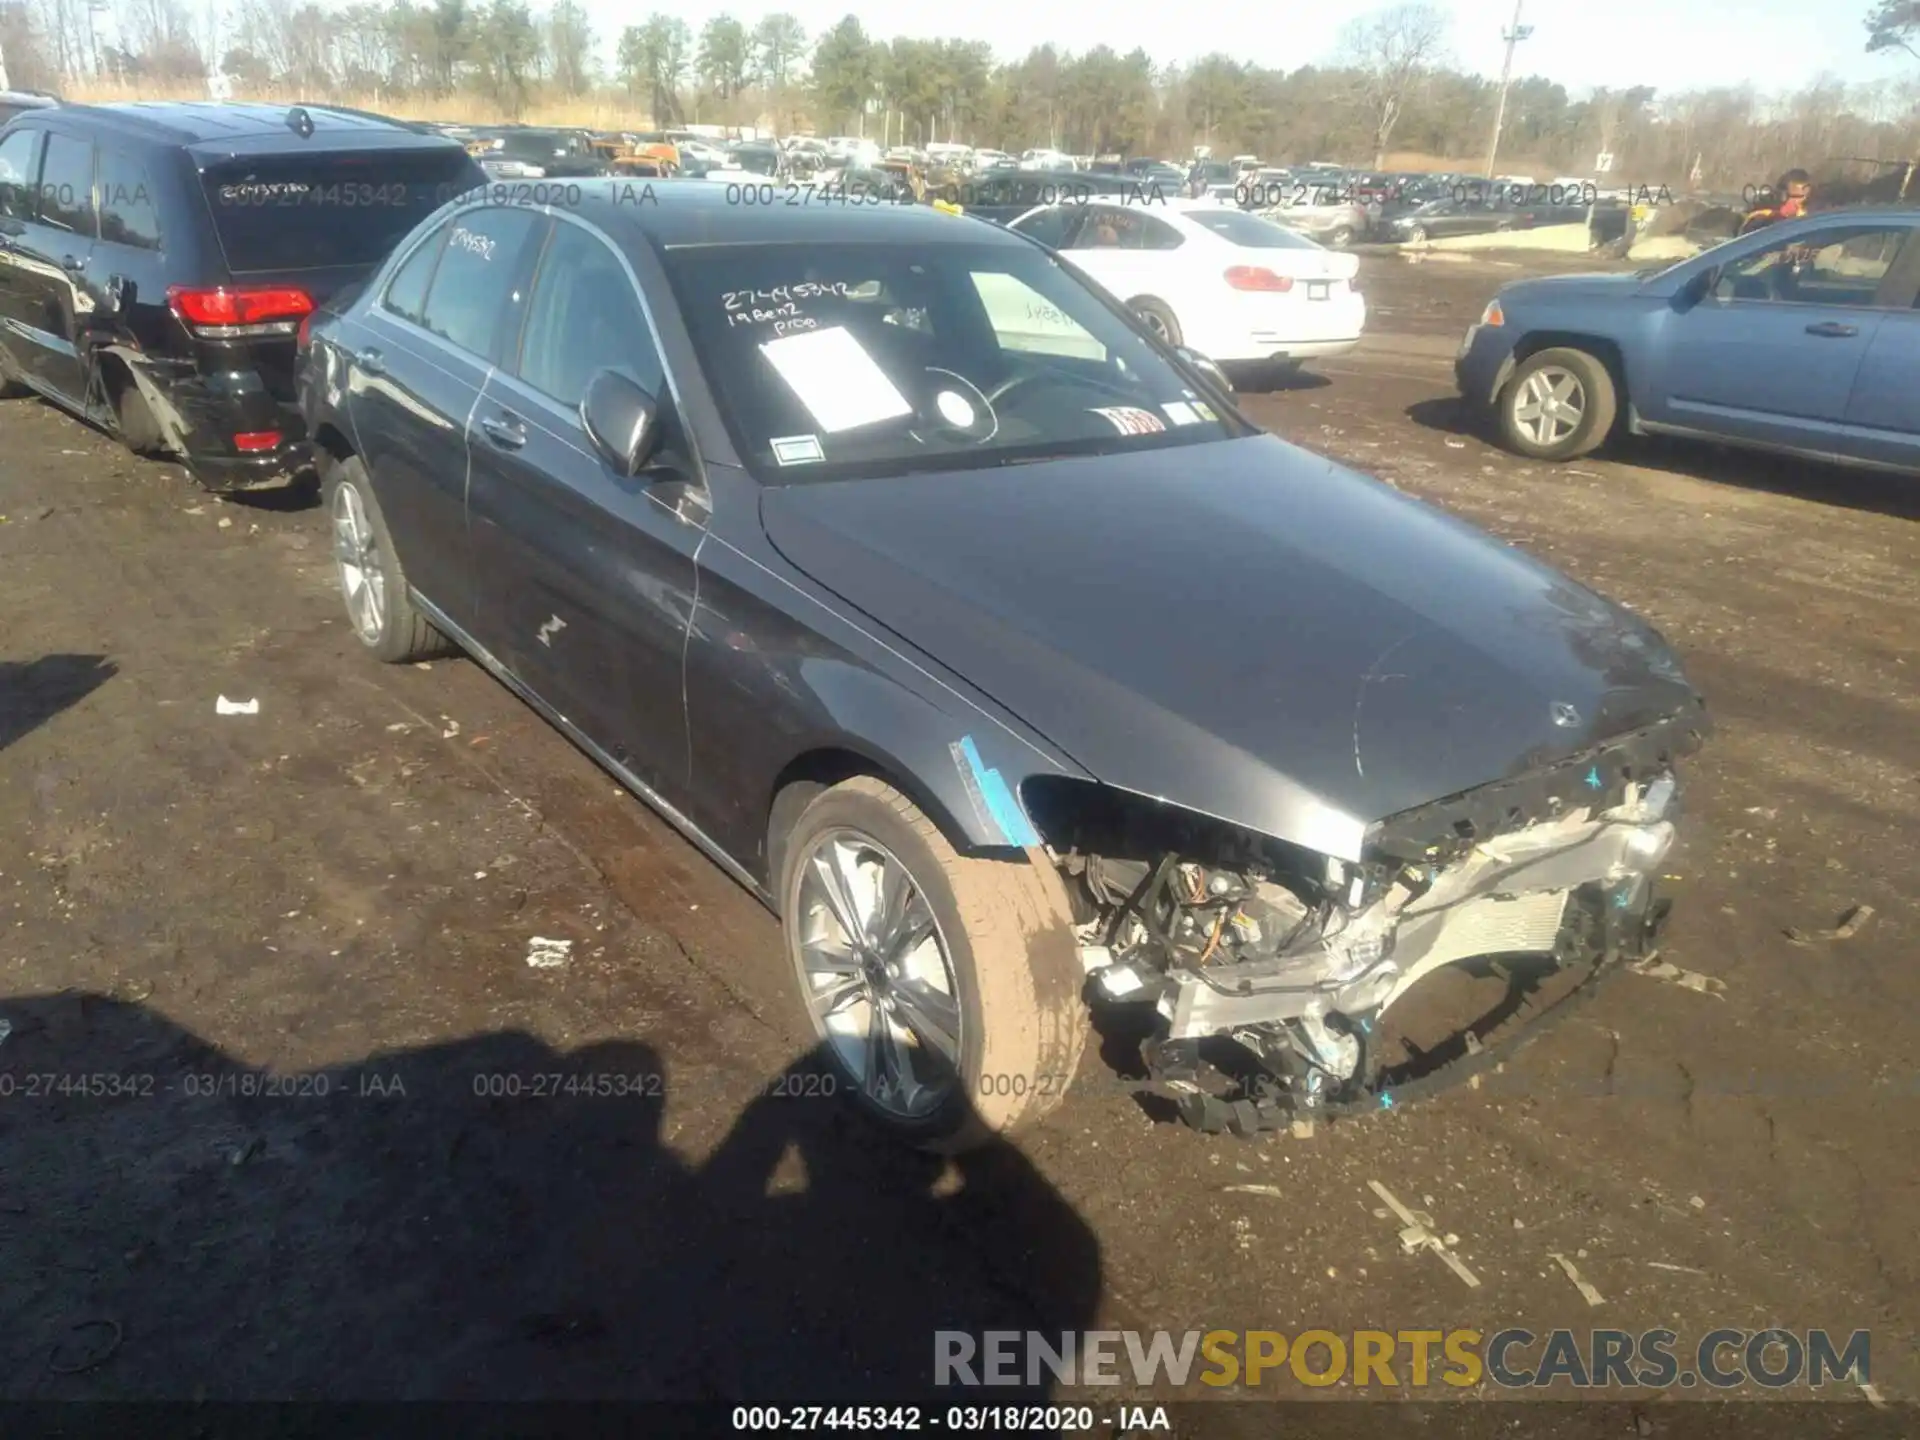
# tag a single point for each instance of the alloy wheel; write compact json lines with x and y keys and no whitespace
{"x":1549,"y":405}
{"x":1156,"y":323}
{"x":876,"y":973}
{"x":356,"y":553}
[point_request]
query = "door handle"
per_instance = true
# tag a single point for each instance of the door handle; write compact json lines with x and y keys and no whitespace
{"x":1833,"y":330}
{"x":371,"y":361}
{"x":506,"y":432}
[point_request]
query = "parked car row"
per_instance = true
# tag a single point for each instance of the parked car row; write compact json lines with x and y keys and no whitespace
{"x":930,"y":585}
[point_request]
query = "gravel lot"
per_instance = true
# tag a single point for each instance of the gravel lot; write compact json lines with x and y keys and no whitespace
{"x":297,"y":942}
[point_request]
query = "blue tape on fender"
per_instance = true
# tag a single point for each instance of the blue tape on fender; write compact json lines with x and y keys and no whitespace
{"x":992,"y":797}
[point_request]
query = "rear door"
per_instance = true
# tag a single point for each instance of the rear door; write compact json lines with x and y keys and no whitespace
{"x":49,"y":262}
{"x":422,"y":354}
{"x":317,"y":221}
{"x":1771,"y":356}
{"x":586,"y":576}
{"x":1883,"y":411}
{"x":19,"y":174}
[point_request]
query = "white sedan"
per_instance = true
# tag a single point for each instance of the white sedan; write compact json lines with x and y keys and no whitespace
{"x":1235,"y":287}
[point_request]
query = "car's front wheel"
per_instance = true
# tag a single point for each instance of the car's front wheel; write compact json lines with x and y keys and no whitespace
{"x":379,"y":605}
{"x":1559,"y":405}
{"x":944,"y":990}
{"x":1158,"y":317}
{"x":1341,"y":237}
{"x":1417,"y":235}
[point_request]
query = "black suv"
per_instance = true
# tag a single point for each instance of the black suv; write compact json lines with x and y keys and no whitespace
{"x":157,"y":262}
{"x":518,"y":152}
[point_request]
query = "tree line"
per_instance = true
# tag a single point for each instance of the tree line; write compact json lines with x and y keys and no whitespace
{"x":1388,"y":88}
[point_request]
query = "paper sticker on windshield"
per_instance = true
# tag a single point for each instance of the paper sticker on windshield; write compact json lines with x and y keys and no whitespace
{"x":836,"y":379}
{"x":798,"y":450}
{"x":1204,"y":411}
{"x":1180,"y":413}
{"x":1129,"y":420}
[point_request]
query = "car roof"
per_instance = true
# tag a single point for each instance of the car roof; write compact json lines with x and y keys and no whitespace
{"x":217,"y":125}
{"x":669,"y":213}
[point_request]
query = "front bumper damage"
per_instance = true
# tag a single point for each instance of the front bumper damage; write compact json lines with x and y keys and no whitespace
{"x":1548,"y":882}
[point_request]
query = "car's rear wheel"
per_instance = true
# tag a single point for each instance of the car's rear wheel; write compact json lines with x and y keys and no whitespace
{"x":1559,"y":405}
{"x":12,"y":387}
{"x":372,"y":582}
{"x":1158,"y":317}
{"x":944,"y":990}
{"x":133,"y":418}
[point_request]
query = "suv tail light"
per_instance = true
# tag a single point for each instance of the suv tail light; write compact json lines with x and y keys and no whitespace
{"x":1252,"y":277}
{"x":225,"y":314}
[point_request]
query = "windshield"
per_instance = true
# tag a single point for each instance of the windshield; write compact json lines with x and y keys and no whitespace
{"x":1251,"y":232}
{"x":866,"y":360}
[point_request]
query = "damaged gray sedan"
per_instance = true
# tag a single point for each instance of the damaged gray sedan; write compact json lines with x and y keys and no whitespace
{"x":977,"y":634}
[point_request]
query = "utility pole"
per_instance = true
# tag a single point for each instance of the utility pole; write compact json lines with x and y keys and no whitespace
{"x":1513,"y":35}
{"x":3,"y":68}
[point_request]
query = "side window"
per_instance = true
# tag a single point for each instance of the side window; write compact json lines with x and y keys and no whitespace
{"x":1099,"y":229}
{"x":19,"y":159}
{"x":1052,"y":227}
{"x":407,"y":292}
{"x":1839,"y":266}
{"x":583,"y":318}
{"x":66,"y":185}
{"x":1151,"y":233}
{"x":469,"y":290}
{"x":129,"y":208}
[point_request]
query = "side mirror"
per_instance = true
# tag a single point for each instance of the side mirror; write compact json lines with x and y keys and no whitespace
{"x":1700,"y":285}
{"x":622,"y":420}
{"x":1206,"y":367}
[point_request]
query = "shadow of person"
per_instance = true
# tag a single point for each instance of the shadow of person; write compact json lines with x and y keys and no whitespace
{"x":483,"y":1219}
{"x":869,"y":1250}
{"x":32,"y":692}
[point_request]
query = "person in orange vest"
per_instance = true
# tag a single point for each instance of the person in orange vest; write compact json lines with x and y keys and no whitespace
{"x":1791,"y":198}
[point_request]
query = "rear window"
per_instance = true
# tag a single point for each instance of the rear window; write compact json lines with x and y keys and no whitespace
{"x":310,"y":212}
{"x":1237,"y":227}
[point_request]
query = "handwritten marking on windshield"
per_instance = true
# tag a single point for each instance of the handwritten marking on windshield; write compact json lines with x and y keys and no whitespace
{"x":737,"y":300}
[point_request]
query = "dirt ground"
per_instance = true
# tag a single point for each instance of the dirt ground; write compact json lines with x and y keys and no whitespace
{"x":292,"y":949}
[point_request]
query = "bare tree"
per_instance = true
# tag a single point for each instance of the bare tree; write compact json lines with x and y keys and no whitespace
{"x":1393,"y":52}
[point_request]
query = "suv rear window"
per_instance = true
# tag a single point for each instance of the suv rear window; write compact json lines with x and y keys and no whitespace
{"x":309,"y":212}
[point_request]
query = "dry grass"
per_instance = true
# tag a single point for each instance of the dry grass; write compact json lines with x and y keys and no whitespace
{"x":601,"y":112}
{"x":1413,"y":161}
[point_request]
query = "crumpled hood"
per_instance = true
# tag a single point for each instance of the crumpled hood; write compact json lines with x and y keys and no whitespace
{"x":1242,"y":627}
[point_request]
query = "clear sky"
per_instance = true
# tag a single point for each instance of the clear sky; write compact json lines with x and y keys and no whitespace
{"x":1669,"y":44}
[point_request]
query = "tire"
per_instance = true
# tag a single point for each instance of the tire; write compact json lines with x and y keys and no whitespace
{"x":1341,"y":237}
{"x":133,"y":419}
{"x":1417,"y":235}
{"x":1000,"y":956}
{"x":390,"y":627}
{"x":1592,"y":398}
{"x":1158,"y":317}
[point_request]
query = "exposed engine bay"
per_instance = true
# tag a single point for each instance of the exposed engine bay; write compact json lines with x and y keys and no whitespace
{"x":1288,"y":962}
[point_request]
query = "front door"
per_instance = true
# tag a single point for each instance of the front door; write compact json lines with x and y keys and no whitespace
{"x":585,"y":575}
{"x":1771,"y":355}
